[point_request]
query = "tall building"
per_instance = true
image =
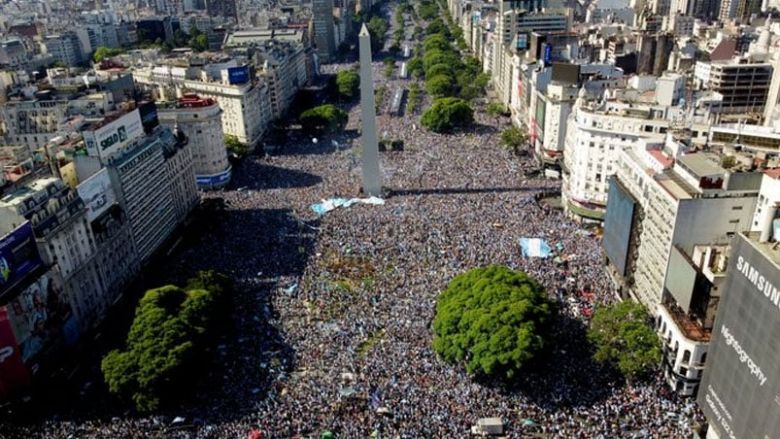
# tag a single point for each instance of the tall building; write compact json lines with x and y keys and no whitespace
{"x":740,"y":387}
{"x":595,"y":135}
{"x":662,"y":203}
{"x":201,"y":121}
{"x":743,"y":84}
{"x":324,"y":38}
{"x":65,"y":48}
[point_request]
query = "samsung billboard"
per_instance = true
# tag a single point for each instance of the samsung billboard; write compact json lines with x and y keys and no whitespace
{"x":618,"y":222}
{"x":740,"y":391}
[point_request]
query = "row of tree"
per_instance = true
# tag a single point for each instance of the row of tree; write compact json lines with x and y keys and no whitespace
{"x":165,"y":349}
{"x":497,"y":321}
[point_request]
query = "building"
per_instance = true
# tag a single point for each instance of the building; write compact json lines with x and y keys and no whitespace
{"x":595,"y":135}
{"x":57,"y":215}
{"x":201,"y":121}
{"x":34,"y":119}
{"x":284,"y":70}
{"x":180,"y":175}
{"x":324,"y":30}
{"x":684,"y":319}
{"x":244,"y":100}
{"x":115,"y":256}
{"x":13,"y":54}
{"x":661,"y":201}
{"x":740,"y":385}
{"x":743,"y":84}
{"x":65,"y":48}
{"x":140,"y":177}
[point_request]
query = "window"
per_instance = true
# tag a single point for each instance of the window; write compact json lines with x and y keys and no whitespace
{"x":686,"y":356}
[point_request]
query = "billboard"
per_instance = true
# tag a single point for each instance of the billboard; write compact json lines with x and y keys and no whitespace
{"x":42,"y":318}
{"x":219,"y":179}
{"x":565,"y":72}
{"x":18,"y":256}
{"x":522,"y":41}
{"x":97,"y":193}
{"x":111,"y":137}
{"x":547,"y":57}
{"x":238,"y":75}
{"x":740,"y":390}
{"x":618,"y":223}
{"x":13,"y":373}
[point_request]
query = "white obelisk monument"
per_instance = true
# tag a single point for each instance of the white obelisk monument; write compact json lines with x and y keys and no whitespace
{"x":371,"y":183}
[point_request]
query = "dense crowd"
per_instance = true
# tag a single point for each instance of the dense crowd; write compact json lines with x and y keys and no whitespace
{"x":332,"y":323}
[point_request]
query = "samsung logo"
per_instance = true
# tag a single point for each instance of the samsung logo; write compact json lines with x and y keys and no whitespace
{"x":761,"y":283}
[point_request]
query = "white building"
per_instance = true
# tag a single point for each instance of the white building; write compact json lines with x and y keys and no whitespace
{"x":245,"y":102}
{"x":595,"y":134}
{"x":201,"y":121}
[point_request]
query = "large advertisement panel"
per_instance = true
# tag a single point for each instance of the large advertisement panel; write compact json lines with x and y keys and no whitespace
{"x":238,"y":75}
{"x":42,"y":318}
{"x":18,"y":256}
{"x":97,"y":193}
{"x":111,"y":137}
{"x":13,"y":373}
{"x":740,"y":390}
{"x":617,"y":225}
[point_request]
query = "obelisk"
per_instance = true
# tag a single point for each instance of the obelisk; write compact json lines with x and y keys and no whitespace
{"x":371,"y":183}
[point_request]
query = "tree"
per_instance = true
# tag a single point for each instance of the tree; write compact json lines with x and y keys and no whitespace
{"x":327,"y":118}
{"x":622,"y":335}
{"x":198,"y":40}
{"x":446,"y":114}
{"x":439,"y":69}
{"x":102,"y":53}
{"x":437,"y":26}
{"x":496,"y":109}
{"x":415,"y":67}
{"x":348,"y":83}
{"x":235,"y":147}
{"x":170,"y":333}
{"x":514,"y":138}
{"x":435,"y":42}
{"x":493,"y":319}
{"x":377,"y":27}
{"x":389,"y":66}
{"x":440,"y":85}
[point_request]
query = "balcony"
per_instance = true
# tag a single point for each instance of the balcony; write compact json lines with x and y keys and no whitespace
{"x":690,"y":327}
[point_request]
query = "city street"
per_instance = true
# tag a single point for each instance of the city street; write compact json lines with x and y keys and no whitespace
{"x":332,"y":319}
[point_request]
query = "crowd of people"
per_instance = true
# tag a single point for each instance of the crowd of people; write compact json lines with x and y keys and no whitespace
{"x":332,"y":320}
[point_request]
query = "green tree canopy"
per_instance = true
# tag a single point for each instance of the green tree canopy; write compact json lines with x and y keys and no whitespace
{"x":348,"y":83}
{"x":439,"y":85}
{"x":514,"y":138}
{"x":439,"y":69}
{"x":493,"y":320}
{"x":171,"y":330}
{"x":199,"y":43}
{"x":235,"y":147}
{"x":435,"y":41}
{"x":622,"y":336}
{"x":438,"y":26}
{"x":101,"y":53}
{"x":377,"y":27}
{"x":447,"y":114}
{"x":327,"y":118}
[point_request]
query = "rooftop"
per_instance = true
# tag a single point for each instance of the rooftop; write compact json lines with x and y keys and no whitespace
{"x":771,"y":250}
{"x":701,"y":164}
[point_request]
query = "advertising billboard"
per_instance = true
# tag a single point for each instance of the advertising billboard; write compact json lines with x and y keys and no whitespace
{"x":18,"y":256}
{"x":97,"y":193}
{"x":111,"y":137}
{"x":215,"y":179}
{"x":522,"y":41}
{"x":547,"y":57}
{"x":740,"y":389}
{"x":13,"y":373}
{"x":238,"y":75}
{"x":42,"y":318}
{"x":618,"y":223}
